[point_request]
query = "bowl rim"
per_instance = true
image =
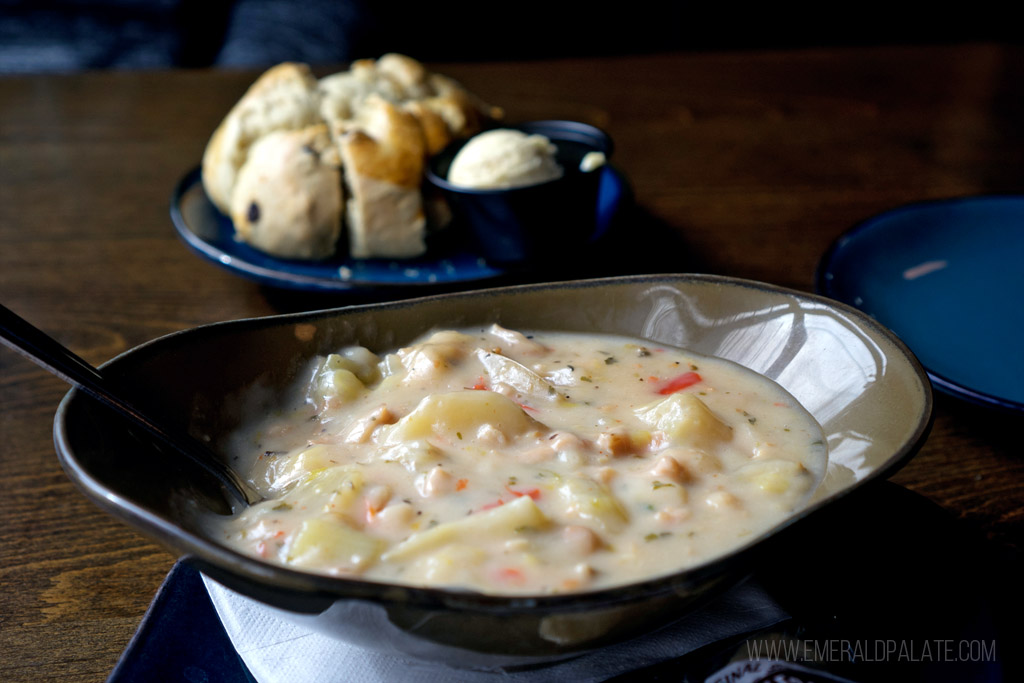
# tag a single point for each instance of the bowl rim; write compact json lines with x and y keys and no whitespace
{"x":214,"y":558}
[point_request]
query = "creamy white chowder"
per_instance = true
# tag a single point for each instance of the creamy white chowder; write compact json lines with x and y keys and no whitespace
{"x":512,"y":463}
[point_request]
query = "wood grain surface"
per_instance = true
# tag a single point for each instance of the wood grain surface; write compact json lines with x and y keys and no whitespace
{"x":753,"y":161}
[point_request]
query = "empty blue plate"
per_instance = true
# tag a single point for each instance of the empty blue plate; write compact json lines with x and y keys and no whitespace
{"x":948,"y":278}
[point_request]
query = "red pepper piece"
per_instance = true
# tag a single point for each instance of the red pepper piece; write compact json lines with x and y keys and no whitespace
{"x":511,"y":575}
{"x":532,"y":493}
{"x":687,"y":379}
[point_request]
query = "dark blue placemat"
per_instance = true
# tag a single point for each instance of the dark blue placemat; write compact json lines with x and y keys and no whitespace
{"x":181,"y":638}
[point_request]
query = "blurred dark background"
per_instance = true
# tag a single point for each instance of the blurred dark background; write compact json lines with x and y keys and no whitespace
{"x":69,"y":35}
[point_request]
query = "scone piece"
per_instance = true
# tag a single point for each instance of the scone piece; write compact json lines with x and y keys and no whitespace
{"x":436,"y":132}
{"x":288,"y":200}
{"x":411,"y":77}
{"x":283,"y":98}
{"x":341,"y":95}
{"x":444,"y":108}
{"x":394,"y":77}
{"x":383,"y":157}
{"x":465,"y":113}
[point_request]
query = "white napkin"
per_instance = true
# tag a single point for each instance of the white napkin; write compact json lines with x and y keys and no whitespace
{"x":276,"y":649}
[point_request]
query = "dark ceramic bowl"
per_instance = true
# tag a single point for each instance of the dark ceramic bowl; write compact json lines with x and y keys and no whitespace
{"x":867,"y":391}
{"x":542,"y":222}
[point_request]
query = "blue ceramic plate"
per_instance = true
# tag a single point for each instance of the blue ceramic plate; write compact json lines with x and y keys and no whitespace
{"x":948,"y":278}
{"x":449,"y":259}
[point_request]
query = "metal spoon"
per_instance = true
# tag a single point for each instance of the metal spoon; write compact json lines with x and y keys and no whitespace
{"x":37,"y":346}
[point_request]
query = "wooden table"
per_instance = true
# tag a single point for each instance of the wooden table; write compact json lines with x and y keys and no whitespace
{"x":757,"y":161}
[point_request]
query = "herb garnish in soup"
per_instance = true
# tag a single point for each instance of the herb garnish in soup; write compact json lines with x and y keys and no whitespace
{"x":513,"y":463}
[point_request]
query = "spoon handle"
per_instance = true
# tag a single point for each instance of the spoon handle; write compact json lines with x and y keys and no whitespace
{"x":39,"y":347}
{"x":31,"y":342}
